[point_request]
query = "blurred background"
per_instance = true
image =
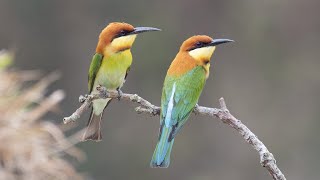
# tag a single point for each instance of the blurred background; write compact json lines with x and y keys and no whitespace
{"x":269,"y":77}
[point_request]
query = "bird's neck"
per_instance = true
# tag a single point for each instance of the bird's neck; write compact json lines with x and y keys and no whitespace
{"x":108,"y":52}
{"x":182,"y":64}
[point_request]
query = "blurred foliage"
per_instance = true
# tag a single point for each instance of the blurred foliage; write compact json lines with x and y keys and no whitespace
{"x":6,"y":58}
{"x":31,"y":149}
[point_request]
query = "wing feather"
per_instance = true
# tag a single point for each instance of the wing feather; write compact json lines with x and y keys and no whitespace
{"x":93,"y":70}
{"x":186,"y":95}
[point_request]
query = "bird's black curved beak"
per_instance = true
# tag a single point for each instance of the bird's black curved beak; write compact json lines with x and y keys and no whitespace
{"x":216,"y":42}
{"x":138,"y":30}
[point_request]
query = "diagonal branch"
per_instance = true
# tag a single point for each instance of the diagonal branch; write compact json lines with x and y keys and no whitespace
{"x":266,"y":158}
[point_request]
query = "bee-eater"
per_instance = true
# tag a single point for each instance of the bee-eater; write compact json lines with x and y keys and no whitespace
{"x":182,"y":87}
{"x":109,"y":68}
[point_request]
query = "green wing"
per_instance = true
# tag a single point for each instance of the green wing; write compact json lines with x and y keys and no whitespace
{"x":187,"y":92}
{"x":94,"y":68}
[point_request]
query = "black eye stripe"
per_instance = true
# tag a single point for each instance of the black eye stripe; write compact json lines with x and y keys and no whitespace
{"x":198,"y":44}
{"x":121,"y":33}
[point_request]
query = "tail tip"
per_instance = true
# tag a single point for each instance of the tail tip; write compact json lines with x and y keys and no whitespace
{"x":161,"y":165}
{"x":97,"y":137}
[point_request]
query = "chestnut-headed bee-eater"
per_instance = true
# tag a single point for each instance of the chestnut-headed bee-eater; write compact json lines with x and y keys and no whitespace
{"x":182,"y":87}
{"x":109,"y":68}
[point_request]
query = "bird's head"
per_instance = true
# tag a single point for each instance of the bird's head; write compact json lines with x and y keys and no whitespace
{"x":201,"y":48}
{"x":119,"y":36}
{"x":195,"y":51}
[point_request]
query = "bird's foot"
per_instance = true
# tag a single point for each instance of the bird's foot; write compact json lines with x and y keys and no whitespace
{"x":100,"y":88}
{"x":103,"y":92}
{"x":120,"y":93}
{"x":195,"y":109}
{"x":82,"y":98}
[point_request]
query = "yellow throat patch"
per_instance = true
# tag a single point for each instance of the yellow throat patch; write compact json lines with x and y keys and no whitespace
{"x":203,"y":53}
{"x":203,"y":56}
{"x":123,"y":42}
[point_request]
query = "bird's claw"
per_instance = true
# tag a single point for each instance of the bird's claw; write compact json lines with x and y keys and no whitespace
{"x":195,"y":108}
{"x":120,"y":93}
{"x":100,"y":88}
{"x":82,"y":98}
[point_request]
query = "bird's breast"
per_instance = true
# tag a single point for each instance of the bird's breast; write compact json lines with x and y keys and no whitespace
{"x":113,"y":70}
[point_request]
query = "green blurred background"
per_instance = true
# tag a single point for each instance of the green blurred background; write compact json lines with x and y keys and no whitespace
{"x":269,"y":77}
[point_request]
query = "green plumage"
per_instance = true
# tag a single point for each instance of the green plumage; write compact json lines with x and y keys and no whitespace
{"x":93,"y":70}
{"x":110,"y":72}
{"x":180,"y":94}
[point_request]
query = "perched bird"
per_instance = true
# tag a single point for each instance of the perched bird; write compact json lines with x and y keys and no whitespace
{"x":109,"y":68}
{"x":182,"y":87}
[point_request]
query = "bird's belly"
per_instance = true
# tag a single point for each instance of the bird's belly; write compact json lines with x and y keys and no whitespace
{"x":111,"y":74}
{"x":110,"y":80}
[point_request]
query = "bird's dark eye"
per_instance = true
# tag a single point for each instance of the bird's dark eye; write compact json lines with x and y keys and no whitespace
{"x":199,"y":44}
{"x":122,"y":33}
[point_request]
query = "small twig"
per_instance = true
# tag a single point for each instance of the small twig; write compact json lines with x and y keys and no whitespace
{"x":266,"y":158}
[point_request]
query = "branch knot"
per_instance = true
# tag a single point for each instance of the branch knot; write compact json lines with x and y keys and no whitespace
{"x":266,"y":159}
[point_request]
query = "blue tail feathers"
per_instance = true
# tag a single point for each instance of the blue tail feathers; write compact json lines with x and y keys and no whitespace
{"x":161,"y":155}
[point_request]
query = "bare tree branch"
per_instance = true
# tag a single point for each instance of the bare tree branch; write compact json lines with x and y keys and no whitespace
{"x":86,"y":100}
{"x":266,"y":158}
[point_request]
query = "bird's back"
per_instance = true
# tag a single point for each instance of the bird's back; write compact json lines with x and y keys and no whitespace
{"x":185,"y":91}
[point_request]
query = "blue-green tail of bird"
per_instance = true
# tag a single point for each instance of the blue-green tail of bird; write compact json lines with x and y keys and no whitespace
{"x":161,"y":155}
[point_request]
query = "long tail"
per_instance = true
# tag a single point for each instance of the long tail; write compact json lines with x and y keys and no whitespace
{"x":93,"y":131}
{"x":161,"y":155}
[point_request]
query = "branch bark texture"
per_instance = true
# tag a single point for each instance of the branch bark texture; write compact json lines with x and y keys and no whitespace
{"x":267,"y":159}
